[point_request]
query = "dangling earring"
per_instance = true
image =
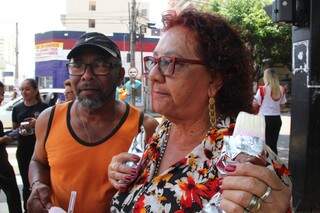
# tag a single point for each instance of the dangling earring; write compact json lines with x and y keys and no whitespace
{"x":212,"y":112}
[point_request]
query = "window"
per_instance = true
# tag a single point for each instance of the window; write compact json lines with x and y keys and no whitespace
{"x":92,"y":23}
{"x":45,"y":81}
{"x":92,"y":5}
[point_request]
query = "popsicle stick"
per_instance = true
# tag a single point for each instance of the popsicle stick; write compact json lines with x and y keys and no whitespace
{"x":72,"y":201}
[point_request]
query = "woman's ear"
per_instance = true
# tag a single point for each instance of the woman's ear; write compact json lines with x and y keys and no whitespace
{"x":214,"y":86}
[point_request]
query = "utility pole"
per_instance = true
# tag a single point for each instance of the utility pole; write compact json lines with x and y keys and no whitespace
{"x":304,"y":150}
{"x":16,"y":72}
{"x":304,"y":155}
{"x":133,"y":20}
{"x":142,"y":29}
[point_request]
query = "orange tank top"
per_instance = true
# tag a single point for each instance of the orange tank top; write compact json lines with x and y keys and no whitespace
{"x":78,"y":166}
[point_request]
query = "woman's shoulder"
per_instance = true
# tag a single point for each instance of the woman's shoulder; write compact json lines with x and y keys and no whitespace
{"x":226,"y":124}
{"x":18,"y":106}
{"x":162,"y":128}
{"x":278,"y":166}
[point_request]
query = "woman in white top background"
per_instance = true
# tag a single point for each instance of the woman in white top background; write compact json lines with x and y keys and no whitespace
{"x":270,"y":99}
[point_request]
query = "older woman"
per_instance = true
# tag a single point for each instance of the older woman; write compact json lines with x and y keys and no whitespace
{"x":201,"y":77}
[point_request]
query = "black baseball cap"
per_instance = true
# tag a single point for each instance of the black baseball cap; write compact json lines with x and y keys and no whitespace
{"x":94,"y":39}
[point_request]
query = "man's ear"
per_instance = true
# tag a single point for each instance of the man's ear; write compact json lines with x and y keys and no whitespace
{"x":120,"y":76}
{"x":214,"y":86}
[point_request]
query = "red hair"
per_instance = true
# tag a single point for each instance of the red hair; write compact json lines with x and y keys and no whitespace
{"x":223,"y":53}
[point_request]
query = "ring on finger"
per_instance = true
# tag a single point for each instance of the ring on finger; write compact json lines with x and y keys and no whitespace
{"x":266,"y":194}
{"x":254,"y":204}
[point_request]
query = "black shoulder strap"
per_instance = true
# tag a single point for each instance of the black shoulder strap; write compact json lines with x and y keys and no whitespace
{"x":49,"y":123}
{"x":140,"y":120}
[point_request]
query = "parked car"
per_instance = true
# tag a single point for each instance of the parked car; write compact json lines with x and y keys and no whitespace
{"x":49,"y":96}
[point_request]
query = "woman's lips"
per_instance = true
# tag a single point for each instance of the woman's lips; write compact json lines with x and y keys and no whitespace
{"x":159,"y":94}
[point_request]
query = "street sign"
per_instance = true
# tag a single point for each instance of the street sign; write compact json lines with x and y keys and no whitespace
{"x":133,"y":72}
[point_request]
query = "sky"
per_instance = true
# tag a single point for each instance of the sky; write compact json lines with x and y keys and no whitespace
{"x":37,"y":16}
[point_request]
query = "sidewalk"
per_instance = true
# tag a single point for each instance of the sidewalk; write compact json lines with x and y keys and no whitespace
{"x":283,"y":152}
{"x":284,"y":138}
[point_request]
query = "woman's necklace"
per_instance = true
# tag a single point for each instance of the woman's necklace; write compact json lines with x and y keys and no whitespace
{"x":162,"y":148}
{"x":84,"y":126}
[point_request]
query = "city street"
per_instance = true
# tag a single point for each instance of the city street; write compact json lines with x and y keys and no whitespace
{"x":283,"y":149}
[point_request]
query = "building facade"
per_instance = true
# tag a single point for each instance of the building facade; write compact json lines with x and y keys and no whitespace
{"x":51,"y":56}
{"x":7,"y":59}
{"x":104,"y":16}
{"x":112,"y":19}
{"x":179,"y":5}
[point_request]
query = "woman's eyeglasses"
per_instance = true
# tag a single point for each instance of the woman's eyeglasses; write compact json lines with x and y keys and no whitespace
{"x":166,"y":64}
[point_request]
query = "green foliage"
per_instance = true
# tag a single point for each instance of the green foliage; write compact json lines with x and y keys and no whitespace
{"x":264,"y":38}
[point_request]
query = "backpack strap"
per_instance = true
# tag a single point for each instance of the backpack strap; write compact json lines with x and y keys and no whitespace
{"x":49,"y":123}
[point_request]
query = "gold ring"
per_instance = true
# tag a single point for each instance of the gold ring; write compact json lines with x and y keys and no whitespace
{"x":266,"y":194}
{"x":254,"y":204}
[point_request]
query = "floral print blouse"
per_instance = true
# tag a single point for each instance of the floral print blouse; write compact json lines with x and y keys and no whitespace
{"x":186,"y":186}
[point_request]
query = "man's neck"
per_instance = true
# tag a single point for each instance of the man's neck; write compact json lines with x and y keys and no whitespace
{"x":108,"y":110}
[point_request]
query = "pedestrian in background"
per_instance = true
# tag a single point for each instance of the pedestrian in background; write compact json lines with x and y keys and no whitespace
{"x":76,"y":140}
{"x":14,"y":94}
{"x":24,"y":117}
{"x":8,"y":181}
{"x":68,"y":92}
{"x":122,"y":93}
{"x":270,"y":97}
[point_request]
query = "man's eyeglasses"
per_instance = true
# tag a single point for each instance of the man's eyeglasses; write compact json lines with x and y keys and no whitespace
{"x":98,"y":67}
{"x":166,"y":64}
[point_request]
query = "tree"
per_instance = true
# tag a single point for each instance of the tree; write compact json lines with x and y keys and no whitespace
{"x":265,"y":39}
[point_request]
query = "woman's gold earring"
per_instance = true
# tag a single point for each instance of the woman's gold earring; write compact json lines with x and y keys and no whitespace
{"x":212,"y":112}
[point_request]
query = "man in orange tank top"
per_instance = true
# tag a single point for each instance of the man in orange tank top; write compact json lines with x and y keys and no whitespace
{"x":76,"y":140}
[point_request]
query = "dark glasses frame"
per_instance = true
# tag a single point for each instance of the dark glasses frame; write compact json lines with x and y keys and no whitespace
{"x":110,"y":66}
{"x":171,"y":60}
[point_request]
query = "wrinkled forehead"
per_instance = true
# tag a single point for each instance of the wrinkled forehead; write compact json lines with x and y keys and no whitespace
{"x":177,"y":41}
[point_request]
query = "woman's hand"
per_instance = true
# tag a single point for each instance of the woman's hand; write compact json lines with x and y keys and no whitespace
{"x":120,"y":174}
{"x":252,"y":188}
{"x":32,"y":122}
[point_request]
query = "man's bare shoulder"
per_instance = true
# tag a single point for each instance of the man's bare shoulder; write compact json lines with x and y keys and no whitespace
{"x":149,"y":124}
{"x":44,"y":118}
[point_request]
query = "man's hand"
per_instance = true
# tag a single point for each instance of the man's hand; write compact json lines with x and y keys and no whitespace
{"x":39,"y":200}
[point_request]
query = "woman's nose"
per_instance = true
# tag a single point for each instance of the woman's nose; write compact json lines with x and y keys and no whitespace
{"x":155,"y":74}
